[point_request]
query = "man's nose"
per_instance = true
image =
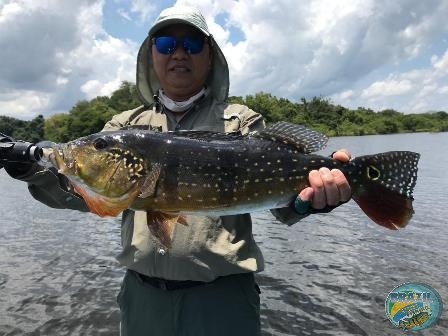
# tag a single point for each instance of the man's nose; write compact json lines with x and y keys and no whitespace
{"x":179,"y":51}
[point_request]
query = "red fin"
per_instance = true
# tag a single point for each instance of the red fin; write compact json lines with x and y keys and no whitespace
{"x":103,"y":206}
{"x":385,"y":207}
{"x":162,"y":225}
{"x":383,"y":184}
{"x":182,"y":220}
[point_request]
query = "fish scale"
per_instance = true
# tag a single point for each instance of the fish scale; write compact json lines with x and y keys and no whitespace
{"x":197,"y":172}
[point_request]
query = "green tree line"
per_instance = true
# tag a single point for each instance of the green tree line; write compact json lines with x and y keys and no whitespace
{"x":88,"y":117}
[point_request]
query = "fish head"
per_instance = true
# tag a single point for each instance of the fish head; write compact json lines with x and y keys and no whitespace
{"x":101,"y":165}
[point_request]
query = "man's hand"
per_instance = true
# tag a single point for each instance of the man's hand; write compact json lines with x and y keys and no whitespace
{"x":327,"y":187}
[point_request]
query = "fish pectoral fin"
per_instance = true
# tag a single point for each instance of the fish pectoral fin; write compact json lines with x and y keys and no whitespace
{"x":149,"y":186}
{"x":161,"y":225}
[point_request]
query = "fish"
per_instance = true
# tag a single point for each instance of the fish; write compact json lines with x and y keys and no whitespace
{"x":414,"y":321}
{"x":173,"y":174}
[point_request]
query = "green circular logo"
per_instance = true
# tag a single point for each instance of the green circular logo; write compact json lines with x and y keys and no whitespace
{"x":413,"y":306}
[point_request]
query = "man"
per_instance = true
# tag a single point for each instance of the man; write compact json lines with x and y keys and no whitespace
{"x":204,"y":284}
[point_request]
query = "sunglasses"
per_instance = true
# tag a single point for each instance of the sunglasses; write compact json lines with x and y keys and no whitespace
{"x":167,"y":44}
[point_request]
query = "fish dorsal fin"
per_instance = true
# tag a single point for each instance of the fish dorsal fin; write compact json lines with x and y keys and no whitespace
{"x":208,"y":135}
{"x":304,"y":139}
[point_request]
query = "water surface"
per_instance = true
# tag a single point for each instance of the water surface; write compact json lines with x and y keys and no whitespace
{"x":327,"y":275}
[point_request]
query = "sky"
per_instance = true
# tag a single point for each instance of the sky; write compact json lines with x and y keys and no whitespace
{"x":376,"y":54}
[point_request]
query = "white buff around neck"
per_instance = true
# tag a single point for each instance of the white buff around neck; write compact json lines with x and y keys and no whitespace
{"x":180,"y":106}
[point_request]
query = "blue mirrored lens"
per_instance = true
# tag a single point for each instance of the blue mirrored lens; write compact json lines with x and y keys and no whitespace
{"x":167,"y":44}
{"x":192,"y":44}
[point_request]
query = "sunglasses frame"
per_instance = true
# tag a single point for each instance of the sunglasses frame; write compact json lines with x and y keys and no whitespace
{"x":179,"y":41}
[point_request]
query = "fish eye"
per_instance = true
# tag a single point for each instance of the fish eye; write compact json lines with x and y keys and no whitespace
{"x":100,"y":143}
{"x":373,"y":173}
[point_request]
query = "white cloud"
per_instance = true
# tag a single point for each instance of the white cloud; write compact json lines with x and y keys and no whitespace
{"x":124,"y":14}
{"x":390,"y":87}
{"x":53,"y":52}
{"x":345,"y":95}
{"x":370,"y":53}
{"x":323,"y":47}
{"x":23,"y":104}
{"x":144,"y":8}
{"x":416,"y":90}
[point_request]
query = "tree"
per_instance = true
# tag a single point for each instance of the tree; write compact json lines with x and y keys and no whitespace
{"x":56,"y":128}
{"x":125,"y":98}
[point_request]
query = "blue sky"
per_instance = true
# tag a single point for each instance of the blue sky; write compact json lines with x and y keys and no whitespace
{"x":371,"y":53}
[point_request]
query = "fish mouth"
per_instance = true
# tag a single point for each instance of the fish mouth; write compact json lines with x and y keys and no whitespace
{"x":64,"y":159}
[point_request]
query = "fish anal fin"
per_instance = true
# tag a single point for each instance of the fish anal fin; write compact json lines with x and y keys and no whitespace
{"x":162,"y":225}
{"x":385,"y":207}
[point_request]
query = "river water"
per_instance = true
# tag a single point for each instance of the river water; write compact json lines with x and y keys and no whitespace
{"x":327,"y":275}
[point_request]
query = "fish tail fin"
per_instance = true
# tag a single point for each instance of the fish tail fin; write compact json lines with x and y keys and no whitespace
{"x":382,"y":185}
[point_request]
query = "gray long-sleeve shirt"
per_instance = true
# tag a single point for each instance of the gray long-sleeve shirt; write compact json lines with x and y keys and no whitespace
{"x":209,"y":246}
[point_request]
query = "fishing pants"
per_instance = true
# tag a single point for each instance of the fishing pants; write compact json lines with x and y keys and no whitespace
{"x":227,"y":306}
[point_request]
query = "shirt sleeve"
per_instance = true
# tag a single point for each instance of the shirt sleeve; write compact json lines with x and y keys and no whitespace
{"x":51,"y":188}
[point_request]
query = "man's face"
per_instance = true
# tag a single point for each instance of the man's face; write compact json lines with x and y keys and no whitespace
{"x":181,"y":74}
